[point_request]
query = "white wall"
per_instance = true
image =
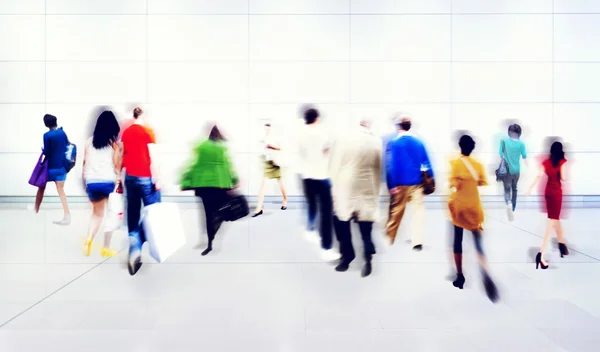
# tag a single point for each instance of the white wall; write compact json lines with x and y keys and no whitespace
{"x":454,"y":64}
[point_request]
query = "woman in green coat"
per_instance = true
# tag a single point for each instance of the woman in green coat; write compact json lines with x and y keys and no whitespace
{"x":211,"y":176}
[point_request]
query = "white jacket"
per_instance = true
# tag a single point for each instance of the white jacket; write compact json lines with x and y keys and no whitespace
{"x":355,"y":171}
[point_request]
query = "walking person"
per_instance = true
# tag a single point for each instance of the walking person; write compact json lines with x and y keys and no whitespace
{"x":406,"y":158}
{"x":101,"y":168}
{"x":211,"y":176}
{"x":554,"y":169}
{"x":512,"y":149}
{"x":466,"y":175}
{"x":142,"y":182}
{"x":355,"y":180}
{"x":55,"y":147}
{"x":271,"y":159}
{"x":313,"y":145}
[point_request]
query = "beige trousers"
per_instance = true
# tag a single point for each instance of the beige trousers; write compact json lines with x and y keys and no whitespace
{"x":398,"y":201}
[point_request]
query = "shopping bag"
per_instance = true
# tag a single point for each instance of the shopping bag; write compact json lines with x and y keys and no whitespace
{"x":39,"y":176}
{"x":163,"y":230}
{"x":114,"y":214}
{"x":235,"y":208}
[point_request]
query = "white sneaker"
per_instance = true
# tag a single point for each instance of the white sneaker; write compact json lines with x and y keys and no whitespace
{"x":312,"y":237}
{"x":330,"y":255}
{"x":509,"y":213}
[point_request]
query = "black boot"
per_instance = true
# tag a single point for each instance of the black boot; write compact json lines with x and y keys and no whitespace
{"x":342,"y":266}
{"x":368,"y":268}
{"x":459,"y":282}
{"x":490,"y":288}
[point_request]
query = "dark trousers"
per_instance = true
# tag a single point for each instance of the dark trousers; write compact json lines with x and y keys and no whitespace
{"x":344,"y":236}
{"x":510,"y":189}
{"x":212,"y":200}
{"x":319,"y":192}
{"x":458,"y":237}
{"x":139,"y":190}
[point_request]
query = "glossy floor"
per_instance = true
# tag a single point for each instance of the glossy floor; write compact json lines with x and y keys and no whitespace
{"x":265,"y":289}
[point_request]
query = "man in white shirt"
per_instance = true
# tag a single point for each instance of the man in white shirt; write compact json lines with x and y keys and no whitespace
{"x":313,"y":146}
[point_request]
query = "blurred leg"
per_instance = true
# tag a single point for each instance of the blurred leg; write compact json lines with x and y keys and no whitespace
{"x":261,"y":195}
{"x":283,"y":193}
{"x":311,"y":198}
{"x":326,"y":209}
{"x":419,"y":215}
{"x":457,"y":248}
{"x":514,"y":182}
{"x":97,"y":217}
{"x":396,"y":212}
{"x":560,"y":235}
{"x":60,"y":188}
{"x":366,"y":228}
{"x":344,"y":236}
{"x":134,"y":205}
{"x":547,"y":235}
{"x":506,"y":182}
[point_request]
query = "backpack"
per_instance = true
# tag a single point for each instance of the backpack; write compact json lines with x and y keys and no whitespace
{"x":70,"y":156}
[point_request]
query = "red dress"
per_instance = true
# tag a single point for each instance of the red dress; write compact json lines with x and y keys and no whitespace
{"x":553,"y":192}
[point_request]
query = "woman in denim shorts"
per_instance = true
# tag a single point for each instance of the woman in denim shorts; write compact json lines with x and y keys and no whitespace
{"x":101,"y":162}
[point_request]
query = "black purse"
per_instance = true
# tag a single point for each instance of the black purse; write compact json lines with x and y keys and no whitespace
{"x":235,"y":208}
{"x":502,"y":169}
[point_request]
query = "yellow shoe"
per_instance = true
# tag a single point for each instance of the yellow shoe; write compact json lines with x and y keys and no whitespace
{"x":87,"y":247}
{"x":107,"y":252}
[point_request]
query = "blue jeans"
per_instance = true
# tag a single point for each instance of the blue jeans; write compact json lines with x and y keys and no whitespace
{"x":510,"y":189}
{"x":139,"y":190}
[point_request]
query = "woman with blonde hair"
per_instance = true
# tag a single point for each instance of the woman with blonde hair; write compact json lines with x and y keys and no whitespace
{"x":101,"y":166}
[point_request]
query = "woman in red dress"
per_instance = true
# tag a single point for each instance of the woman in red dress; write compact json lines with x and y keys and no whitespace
{"x":554,"y":170}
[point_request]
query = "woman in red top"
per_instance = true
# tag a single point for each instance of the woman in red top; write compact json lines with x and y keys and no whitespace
{"x":553,"y":167}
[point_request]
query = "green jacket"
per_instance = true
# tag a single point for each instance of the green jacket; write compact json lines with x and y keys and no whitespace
{"x":212,"y":167}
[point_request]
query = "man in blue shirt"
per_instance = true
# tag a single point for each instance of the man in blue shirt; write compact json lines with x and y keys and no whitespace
{"x":512,"y":149}
{"x":405,"y":160}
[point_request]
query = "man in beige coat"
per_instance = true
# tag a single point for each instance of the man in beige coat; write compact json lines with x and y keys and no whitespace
{"x":355,"y":178}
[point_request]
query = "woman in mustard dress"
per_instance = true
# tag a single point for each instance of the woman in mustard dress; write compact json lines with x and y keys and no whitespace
{"x":466,"y":175}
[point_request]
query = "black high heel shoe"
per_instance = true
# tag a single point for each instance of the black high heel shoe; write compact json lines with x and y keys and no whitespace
{"x":459,"y":282}
{"x":257,"y":214}
{"x":538,"y":262}
{"x":490,"y":288}
{"x":563,"y":249}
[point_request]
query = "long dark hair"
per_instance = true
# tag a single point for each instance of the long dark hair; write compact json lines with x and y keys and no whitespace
{"x":106,"y":131}
{"x":556,"y":153}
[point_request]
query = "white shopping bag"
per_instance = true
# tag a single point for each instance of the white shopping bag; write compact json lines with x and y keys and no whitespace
{"x":114,"y":214}
{"x":163,"y":229}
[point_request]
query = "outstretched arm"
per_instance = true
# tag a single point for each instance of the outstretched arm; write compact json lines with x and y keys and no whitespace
{"x":535,"y":182}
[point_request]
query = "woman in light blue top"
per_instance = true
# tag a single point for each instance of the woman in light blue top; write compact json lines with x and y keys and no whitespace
{"x":512,"y":149}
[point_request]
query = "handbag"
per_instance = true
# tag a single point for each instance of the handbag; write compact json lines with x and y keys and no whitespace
{"x":39,"y":176}
{"x":235,"y":208}
{"x":502,"y":169}
{"x":163,"y":230}
{"x":114,"y":214}
{"x":70,"y":156}
{"x":428,"y":183}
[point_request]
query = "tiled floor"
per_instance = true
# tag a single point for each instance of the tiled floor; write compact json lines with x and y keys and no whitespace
{"x":265,"y":289}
